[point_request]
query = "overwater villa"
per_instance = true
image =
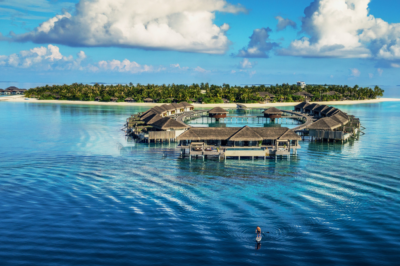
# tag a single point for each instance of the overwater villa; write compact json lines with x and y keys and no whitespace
{"x":158,"y":123}
{"x":273,"y":113}
{"x":239,"y":142}
{"x":330,"y":123}
{"x":167,"y":123}
{"x":217,"y":113}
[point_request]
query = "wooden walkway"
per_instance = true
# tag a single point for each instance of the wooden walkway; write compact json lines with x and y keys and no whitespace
{"x":190,"y":115}
{"x":308,"y":119}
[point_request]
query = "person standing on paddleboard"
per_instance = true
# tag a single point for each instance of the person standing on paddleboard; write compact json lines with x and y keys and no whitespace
{"x":258,"y":231}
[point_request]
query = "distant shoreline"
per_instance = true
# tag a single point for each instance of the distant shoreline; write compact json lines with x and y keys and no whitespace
{"x":19,"y":98}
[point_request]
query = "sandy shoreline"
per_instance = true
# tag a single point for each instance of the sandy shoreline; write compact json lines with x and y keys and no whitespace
{"x":19,"y":98}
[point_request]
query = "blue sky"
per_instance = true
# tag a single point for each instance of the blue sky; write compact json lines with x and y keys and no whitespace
{"x":348,"y":41}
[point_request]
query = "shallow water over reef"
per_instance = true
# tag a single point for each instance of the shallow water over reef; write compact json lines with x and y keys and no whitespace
{"x":74,"y":191}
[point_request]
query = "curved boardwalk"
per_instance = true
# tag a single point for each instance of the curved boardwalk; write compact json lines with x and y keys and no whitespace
{"x":309,"y":119}
{"x":189,"y":115}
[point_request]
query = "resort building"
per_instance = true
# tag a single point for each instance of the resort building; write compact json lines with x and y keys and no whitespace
{"x":302,"y":84}
{"x":304,"y":94}
{"x":239,"y":142}
{"x":217,"y":113}
{"x":309,"y":109}
{"x":332,"y":123}
{"x":155,"y":123}
{"x":331,"y":93}
{"x":301,"y":107}
{"x":273,"y":113}
{"x":267,"y":97}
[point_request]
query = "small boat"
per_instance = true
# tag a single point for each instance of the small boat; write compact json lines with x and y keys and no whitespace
{"x":27,"y":99}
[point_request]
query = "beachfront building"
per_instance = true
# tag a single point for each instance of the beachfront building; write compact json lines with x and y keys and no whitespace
{"x":239,"y":142}
{"x":217,"y":113}
{"x":304,"y":94}
{"x":273,"y":113}
{"x":1,"y":92}
{"x":331,"y":93}
{"x":267,"y":97}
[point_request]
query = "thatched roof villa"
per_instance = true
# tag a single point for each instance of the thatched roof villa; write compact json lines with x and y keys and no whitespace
{"x":331,"y":93}
{"x":301,"y":106}
{"x":273,"y":113}
{"x":303,"y":94}
{"x":265,"y":95}
{"x":168,"y":123}
{"x":217,"y":113}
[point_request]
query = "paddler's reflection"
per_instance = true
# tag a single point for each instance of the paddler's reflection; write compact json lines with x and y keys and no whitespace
{"x":258,"y":246}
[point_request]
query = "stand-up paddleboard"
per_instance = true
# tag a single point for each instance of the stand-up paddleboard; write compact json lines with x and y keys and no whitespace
{"x":258,"y":239}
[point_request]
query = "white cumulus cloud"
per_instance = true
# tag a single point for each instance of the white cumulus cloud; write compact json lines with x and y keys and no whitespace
{"x":43,"y":58}
{"x":180,"y":25}
{"x":344,"y":28}
{"x":125,"y":66}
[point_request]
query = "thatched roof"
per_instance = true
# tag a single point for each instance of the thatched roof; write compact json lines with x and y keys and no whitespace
{"x":128,"y":99}
{"x":289,"y":135}
{"x":218,"y":110}
{"x":273,"y":111}
{"x":303,"y":93}
{"x":325,"y":123}
{"x":148,"y":100}
{"x":302,"y":105}
{"x":98,"y":98}
{"x":239,"y":133}
{"x":320,"y":108}
{"x":312,"y":106}
{"x":169,"y":123}
{"x":186,"y":104}
{"x":342,"y":114}
{"x":331,"y":93}
{"x":264,"y":94}
{"x":340,"y":119}
{"x":328,"y":110}
{"x":246,"y":134}
{"x":11,"y":88}
{"x":225,"y":100}
{"x":151,"y":120}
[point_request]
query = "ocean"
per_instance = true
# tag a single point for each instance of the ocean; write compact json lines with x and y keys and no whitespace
{"x":75,"y":191}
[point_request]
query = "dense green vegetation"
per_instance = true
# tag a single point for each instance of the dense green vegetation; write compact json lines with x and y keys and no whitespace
{"x":202,"y":93}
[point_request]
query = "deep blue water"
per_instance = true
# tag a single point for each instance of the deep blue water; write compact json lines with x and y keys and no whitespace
{"x":74,"y":191}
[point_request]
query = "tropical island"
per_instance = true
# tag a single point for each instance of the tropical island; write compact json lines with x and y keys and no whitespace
{"x":203,"y":93}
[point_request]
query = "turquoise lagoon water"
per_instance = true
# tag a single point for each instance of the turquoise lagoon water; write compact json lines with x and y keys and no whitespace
{"x":75,"y":191}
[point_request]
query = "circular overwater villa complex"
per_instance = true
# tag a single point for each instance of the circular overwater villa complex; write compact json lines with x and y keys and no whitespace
{"x":168,"y":123}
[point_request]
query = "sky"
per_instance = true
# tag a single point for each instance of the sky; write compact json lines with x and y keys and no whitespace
{"x":216,"y":41}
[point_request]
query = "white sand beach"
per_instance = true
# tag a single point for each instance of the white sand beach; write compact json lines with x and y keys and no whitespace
{"x":20,"y":98}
